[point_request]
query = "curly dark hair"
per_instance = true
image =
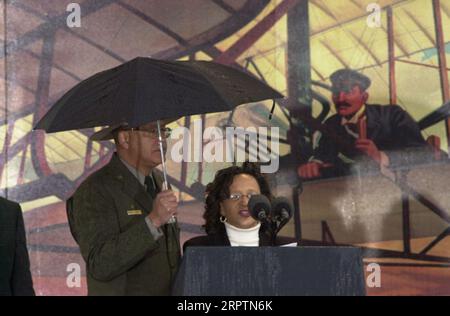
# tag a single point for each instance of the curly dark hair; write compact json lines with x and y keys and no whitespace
{"x":219,"y":190}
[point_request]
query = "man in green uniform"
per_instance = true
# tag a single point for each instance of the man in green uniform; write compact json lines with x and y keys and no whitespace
{"x":122,"y":219}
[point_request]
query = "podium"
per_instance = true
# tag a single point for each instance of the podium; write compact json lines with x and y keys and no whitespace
{"x":270,"y":271}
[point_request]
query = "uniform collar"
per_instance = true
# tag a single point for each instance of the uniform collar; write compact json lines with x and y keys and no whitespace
{"x":130,"y":183}
{"x":139,"y":175}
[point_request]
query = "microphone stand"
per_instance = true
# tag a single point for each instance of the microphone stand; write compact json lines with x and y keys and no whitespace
{"x":276,"y":226}
{"x":273,"y":232}
{"x":269,"y":226}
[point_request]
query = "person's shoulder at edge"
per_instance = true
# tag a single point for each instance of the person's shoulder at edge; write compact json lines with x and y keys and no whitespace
{"x":8,"y":204}
{"x":9,"y":210}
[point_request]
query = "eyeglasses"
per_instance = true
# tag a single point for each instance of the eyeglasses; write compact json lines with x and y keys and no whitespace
{"x":153,"y":132}
{"x":237,"y":196}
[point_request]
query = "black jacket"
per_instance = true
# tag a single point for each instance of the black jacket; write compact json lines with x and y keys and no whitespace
{"x":15,"y":276}
{"x":391,"y":129}
{"x":221,"y":239}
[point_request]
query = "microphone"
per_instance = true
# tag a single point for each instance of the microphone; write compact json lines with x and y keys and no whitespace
{"x":281,"y":211}
{"x":259,"y":207}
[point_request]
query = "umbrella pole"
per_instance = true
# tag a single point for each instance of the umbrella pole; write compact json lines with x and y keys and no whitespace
{"x":163,"y":160}
{"x":173,"y":219}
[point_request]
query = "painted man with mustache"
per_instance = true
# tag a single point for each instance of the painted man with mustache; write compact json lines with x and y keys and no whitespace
{"x":384,"y":133}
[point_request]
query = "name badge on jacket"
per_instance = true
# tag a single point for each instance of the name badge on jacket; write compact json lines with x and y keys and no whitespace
{"x":134,"y":212}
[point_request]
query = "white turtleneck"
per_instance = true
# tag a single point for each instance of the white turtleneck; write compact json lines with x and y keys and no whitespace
{"x":246,"y":237}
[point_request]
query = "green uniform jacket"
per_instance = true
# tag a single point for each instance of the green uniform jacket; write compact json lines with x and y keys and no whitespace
{"x":107,"y":219}
{"x":15,"y":276}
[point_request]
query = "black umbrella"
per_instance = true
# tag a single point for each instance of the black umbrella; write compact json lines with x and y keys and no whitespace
{"x":147,"y":90}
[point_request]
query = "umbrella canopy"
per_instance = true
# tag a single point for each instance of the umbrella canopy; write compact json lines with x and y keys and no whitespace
{"x":145,"y":90}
